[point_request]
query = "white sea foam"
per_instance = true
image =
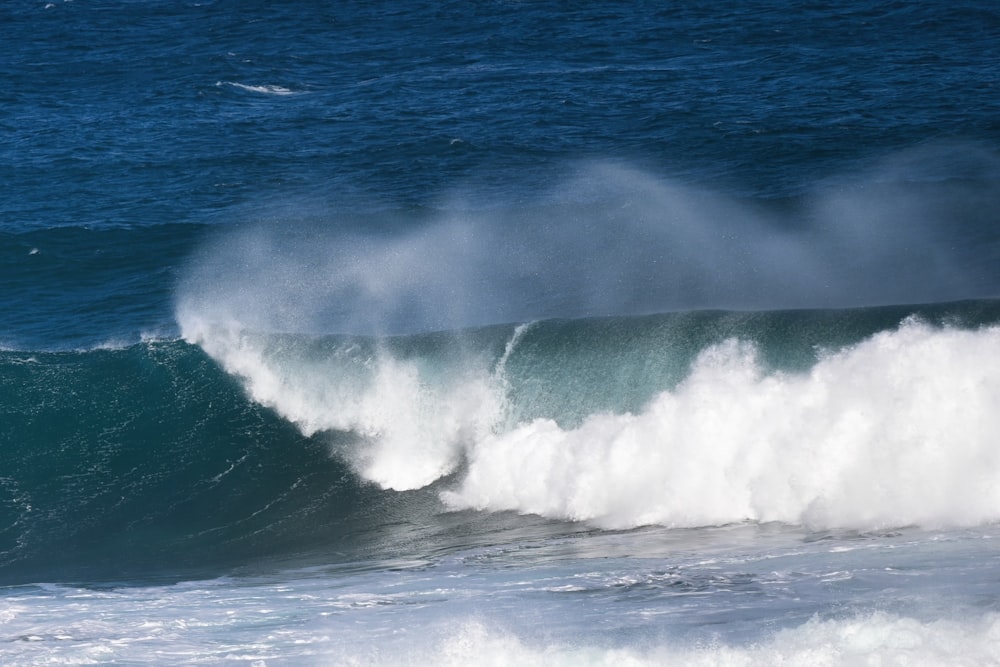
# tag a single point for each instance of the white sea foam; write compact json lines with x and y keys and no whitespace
{"x":874,"y":639}
{"x":901,"y":429}
{"x":315,"y":622}
{"x":410,"y":425}
{"x":264,"y":89}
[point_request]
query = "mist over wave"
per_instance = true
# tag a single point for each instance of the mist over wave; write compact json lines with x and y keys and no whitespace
{"x":610,"y":240}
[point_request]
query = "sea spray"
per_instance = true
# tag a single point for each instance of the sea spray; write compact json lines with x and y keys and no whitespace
{"x":606,"y":240}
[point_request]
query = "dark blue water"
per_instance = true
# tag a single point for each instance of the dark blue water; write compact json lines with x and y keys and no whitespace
{"x":375,"y":308}
{"x":140,"y":124}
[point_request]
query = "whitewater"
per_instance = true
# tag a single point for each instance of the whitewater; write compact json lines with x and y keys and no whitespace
{"x":893,"y":431}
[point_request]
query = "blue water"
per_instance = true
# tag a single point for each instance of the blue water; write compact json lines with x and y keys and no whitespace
{"x":499,"y":333}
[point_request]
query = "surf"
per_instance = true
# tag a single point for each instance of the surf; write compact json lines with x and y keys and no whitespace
{"x":683,"y":420}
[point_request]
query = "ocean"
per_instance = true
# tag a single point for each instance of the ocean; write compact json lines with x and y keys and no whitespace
{"x":499,"y":333}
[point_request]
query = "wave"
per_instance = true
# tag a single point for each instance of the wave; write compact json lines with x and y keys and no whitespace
{"x":604,"y":413}
{"x":169,"y":456}
{"x":681,"y":420}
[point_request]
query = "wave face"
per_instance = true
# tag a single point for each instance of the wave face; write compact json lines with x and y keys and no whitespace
{"x":284,"y":445}
{"x":127,"y":461}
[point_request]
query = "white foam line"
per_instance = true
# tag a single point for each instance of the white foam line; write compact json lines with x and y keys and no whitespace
{"x":264,"y":89}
